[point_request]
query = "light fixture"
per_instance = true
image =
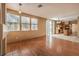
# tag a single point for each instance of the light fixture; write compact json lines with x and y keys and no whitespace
{"x":40,"y":5}
{"x":20,"y":8}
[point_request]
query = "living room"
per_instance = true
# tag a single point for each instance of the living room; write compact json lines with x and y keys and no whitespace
{"x":39,"y":29}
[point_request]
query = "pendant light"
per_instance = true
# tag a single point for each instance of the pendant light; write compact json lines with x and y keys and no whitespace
{"x":20,"y":11}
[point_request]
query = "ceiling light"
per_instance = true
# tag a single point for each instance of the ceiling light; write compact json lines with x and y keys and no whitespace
{"x":20,"y":8}
{"x":20,"y":12}
{"x":40,"y":5}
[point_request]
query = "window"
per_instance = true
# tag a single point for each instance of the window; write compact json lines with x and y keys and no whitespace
{"x":25,"y":22}
{"x":13,"y":22}
{"x":34,"y":24}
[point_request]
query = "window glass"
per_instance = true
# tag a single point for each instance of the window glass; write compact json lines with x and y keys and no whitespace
{"x":13,"y":22}
{"x":25,"y":22}
{"x":34,"y":24}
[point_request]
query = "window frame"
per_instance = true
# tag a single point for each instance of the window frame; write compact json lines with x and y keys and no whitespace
{"x":25,"y":23}
{"x":18,"y":22}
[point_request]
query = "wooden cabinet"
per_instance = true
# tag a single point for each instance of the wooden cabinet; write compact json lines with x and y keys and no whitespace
{"x":64,"y":28}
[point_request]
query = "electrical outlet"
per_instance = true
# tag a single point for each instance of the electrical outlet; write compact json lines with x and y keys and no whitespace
{"x":16,"y":37}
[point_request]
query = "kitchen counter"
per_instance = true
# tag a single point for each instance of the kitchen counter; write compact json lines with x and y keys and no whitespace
{"x":64,"y":37}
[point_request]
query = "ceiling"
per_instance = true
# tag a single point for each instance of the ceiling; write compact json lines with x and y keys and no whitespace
{"x":49,"y":10}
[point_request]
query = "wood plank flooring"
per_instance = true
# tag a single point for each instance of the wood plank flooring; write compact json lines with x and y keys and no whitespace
{"x":37,"y":47}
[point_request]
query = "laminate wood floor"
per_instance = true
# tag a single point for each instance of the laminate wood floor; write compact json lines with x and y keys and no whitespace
{"x":37,"y":47}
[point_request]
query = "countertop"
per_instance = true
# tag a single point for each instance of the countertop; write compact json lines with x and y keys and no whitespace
{"x":64,"y":37}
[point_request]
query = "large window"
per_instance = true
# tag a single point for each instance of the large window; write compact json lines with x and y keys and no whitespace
{"x":13,"y":22}
{"x":25,"y":23}
{"x":34,"y":24}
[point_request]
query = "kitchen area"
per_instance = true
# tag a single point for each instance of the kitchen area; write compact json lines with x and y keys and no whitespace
{"x":63,"y":30}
